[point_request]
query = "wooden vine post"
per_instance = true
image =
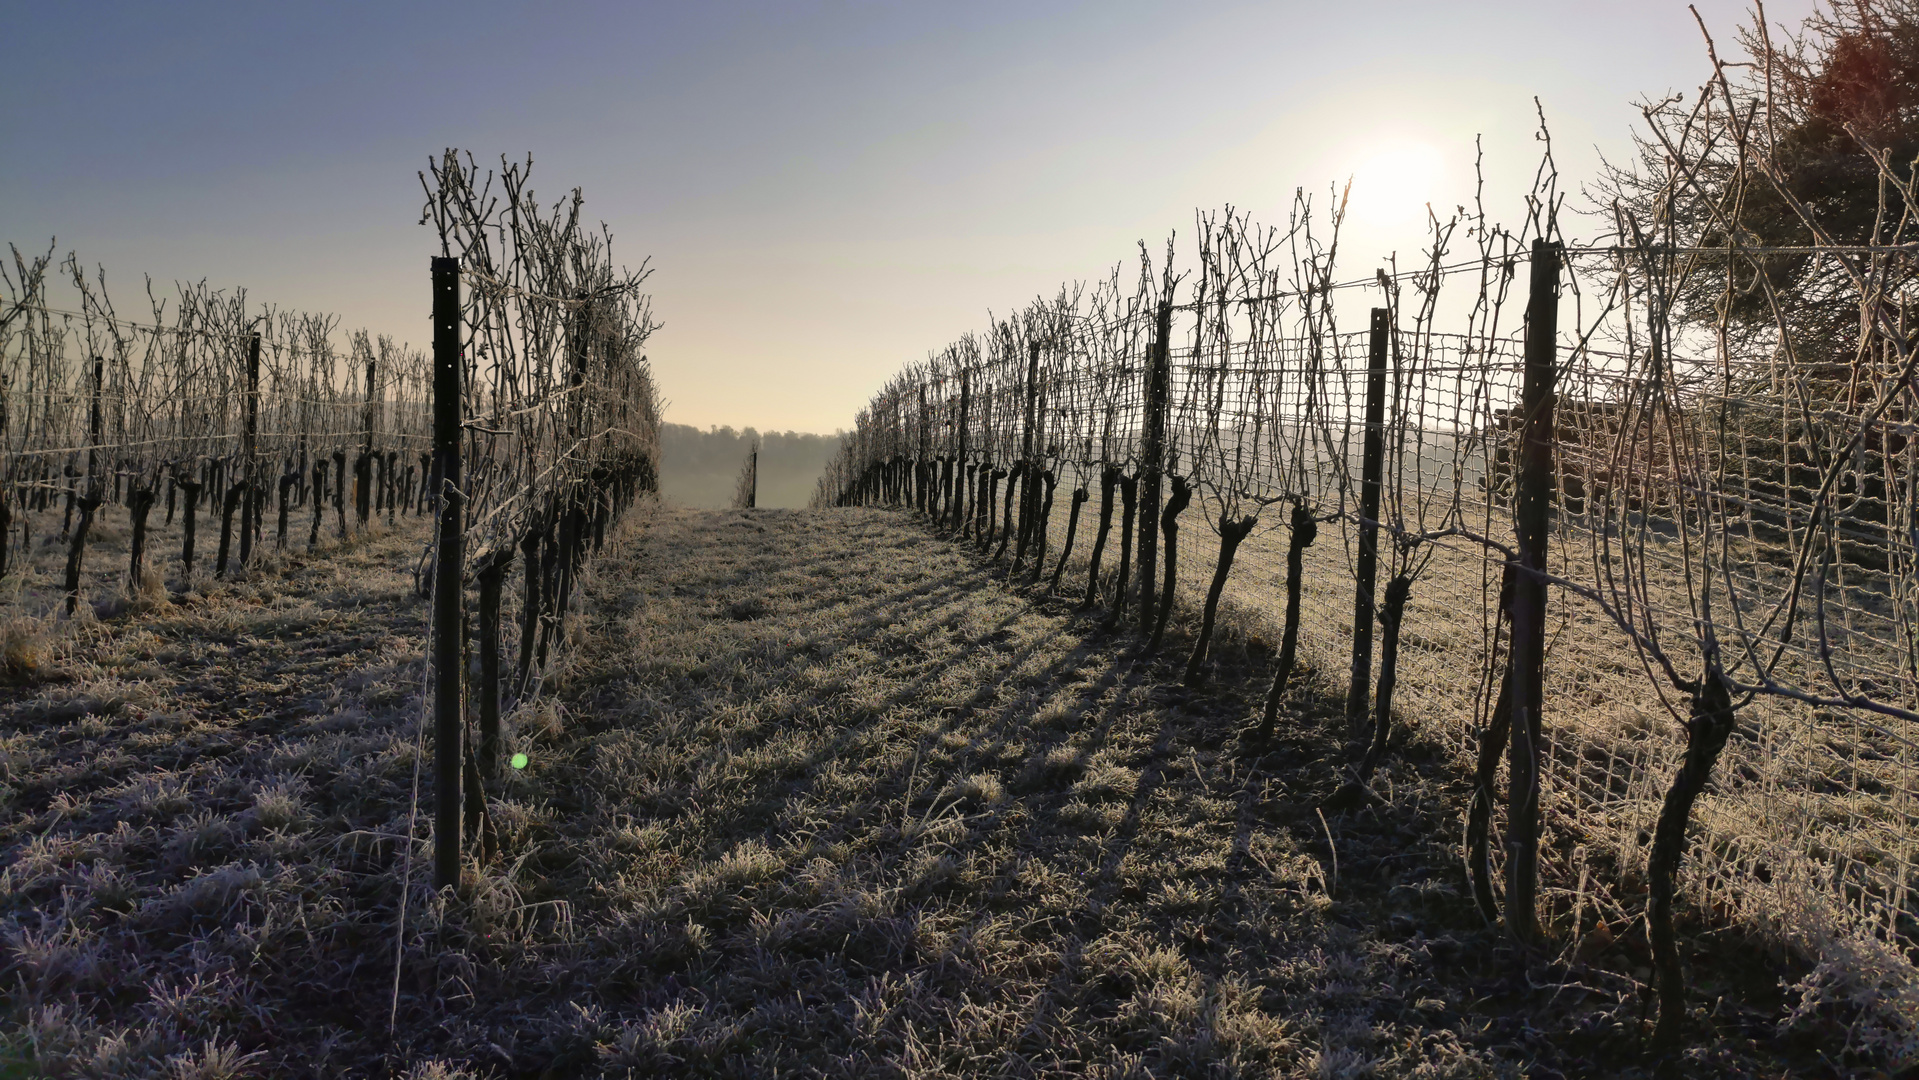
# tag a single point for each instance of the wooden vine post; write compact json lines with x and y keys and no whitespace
{"x":963,"y":472}
{"x":1526,"y":672}
{"x":1153,"y":458}
{"x":363,"y":467}
{"x":922,"y":468}
{"x":94,"y":426}
{"x":448,"y":593}
{"x":96,"y":432}
{"x":1029,"y":468}
{"x":249,"y":446}
{"x":9,"y":474}
{"x":1358,"y":691}
{"x":491,"y":575}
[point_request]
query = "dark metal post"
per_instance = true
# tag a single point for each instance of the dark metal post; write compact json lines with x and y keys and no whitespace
{"x":1358,"y":691}
{"x":921,"y":468}
{"x":448,"y":596}
{"x":1153,"y":459}
{"x":1527,"y":660}
{"x":966,"y":407}
{"x":250,"y":514}
{"x":363,"y":468}
{"x":1029,"y":468}
{"x":93,"y":428}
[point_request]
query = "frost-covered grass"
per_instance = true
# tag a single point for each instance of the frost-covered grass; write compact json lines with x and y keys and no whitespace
{"x":811,"y":794}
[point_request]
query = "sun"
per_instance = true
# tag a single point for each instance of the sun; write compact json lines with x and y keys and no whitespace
{"x":1395,"y":181}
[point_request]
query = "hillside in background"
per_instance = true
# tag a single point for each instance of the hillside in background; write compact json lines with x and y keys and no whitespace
{"x":701,"y":468}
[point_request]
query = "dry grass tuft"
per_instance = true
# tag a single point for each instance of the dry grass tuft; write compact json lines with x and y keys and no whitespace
{"x":23,"y":648}
{"x":279,"y":807}
{"x":1106,"y":780}
{"x":980,"y":791}
{"x":1051,"y":769}
{"x":150,"y":594}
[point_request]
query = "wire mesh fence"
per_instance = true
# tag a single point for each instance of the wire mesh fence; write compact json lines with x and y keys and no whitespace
{"x":525,"y":433}
{"x":1722,"y":542}
{"x":212,"y":395}
{"x":210,"y":403}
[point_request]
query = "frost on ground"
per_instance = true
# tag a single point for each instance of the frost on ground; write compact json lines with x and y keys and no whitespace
{"x":811,"y":794}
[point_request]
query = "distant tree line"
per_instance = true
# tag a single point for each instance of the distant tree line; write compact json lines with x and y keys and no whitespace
{"x":702,"y":467}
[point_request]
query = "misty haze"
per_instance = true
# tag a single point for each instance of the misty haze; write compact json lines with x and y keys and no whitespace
{"x":702,"y":468}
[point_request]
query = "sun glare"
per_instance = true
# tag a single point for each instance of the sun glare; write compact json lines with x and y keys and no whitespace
{"x":1394,"y":184}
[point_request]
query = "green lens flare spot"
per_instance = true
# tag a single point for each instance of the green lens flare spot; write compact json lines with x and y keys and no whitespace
{"x":519,"y":761}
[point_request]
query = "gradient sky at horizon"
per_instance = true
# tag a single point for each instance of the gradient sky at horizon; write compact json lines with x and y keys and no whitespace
{"x":827,"y":191}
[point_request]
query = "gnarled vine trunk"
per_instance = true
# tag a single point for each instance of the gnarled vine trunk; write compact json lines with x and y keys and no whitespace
{"x":1072,"y":527}
{"x":1231,"y":533}
{"x":1129,"y":500}
{"x":1304,"y":531}
{"x":1707,"y":730}
{"x":1108,"y":481}
{"x":1391,"y":614}
{"x":1169,"y":527}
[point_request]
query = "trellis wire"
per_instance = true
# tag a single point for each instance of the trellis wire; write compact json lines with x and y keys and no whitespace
{"x":1702,"y":504}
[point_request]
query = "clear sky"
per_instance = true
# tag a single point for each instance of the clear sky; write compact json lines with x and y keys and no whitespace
{"x":827,"y":190}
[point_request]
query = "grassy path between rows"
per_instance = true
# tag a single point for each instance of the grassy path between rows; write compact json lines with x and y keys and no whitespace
{"x":816,"y":795}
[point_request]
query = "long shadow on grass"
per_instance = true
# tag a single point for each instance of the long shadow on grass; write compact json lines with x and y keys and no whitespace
{"x":1303,"y":762}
